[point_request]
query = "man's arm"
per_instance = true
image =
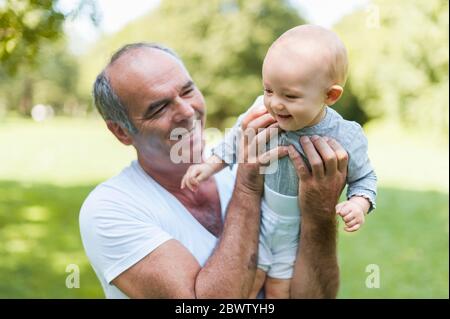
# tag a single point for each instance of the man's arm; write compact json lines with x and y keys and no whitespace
{"x":171,"y":271}
{"x":316,"y":270}
{"x":230,"y":271}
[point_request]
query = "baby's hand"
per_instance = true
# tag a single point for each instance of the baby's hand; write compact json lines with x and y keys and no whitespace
{"x":195,"y":174}
{"x":352,"y":214}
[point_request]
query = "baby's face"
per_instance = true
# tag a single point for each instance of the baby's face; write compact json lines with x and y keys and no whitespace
{"x":294,"y":89}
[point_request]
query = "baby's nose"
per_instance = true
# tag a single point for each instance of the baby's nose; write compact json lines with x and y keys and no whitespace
{"x":277,"y":106}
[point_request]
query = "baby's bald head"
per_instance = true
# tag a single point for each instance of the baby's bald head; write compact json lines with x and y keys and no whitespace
{"x":316,"y":45}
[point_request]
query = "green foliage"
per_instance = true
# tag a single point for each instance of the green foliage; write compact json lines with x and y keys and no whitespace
{"x":27,"y":25}
{"x":52,"y":81}
{"x":398,"y":70}
{"x":399,"y":64}
{"x":349,"y":106}
{"x":36,"y":66}
{"x":24,"y":27}
{"x":222,"y":43}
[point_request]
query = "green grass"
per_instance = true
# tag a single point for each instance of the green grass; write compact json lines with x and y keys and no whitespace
{"x":40,"y":237}
{"x":60,"y":151}
{"x":47,"y":169}
{"x":407,"y":237}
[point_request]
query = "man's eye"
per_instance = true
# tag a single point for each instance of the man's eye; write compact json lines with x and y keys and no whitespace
{"x":187,"y":92}
{"x":158,"y":110}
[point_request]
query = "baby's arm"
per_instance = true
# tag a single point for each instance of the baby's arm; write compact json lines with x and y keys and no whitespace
{"x":353,"y":212}
{"x":362,"y":182}
{"x":199,"y":172}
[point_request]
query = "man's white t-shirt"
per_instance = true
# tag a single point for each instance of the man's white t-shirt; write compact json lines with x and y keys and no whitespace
{"x":127,"y":217}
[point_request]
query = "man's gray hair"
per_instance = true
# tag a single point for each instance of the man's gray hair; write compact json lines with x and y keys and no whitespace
{"x":106,"y":100}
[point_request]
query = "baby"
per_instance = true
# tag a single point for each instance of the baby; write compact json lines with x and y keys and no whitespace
{"x":304,"y":73}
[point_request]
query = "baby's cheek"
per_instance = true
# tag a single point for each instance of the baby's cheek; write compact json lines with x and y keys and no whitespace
{"x":266,"y":102}
{"x":269,"y":110}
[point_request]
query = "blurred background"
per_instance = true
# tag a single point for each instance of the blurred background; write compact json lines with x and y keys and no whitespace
{"x":54,"y":148}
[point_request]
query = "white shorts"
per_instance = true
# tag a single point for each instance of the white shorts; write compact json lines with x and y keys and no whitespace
{"x":279,"y":234}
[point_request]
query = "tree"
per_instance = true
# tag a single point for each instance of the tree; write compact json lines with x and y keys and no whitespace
{"x":35,"y":63}
{"x":399,"y":64}
{"x":24,"y":26}
{"x":53,"y":80}
{"x":27,"y":25}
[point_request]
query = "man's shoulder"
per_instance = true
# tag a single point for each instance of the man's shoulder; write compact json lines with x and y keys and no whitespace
{"x":118,"y":183}
{"x":118,"y":191}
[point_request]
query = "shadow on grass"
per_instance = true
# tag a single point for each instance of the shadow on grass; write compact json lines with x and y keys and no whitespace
{"x":39,"y":236}
{"x":407,"y":237}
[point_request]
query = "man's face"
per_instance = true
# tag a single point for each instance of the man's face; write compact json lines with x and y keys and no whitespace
{"x":294,"y":89}
{"x":160,"y":96}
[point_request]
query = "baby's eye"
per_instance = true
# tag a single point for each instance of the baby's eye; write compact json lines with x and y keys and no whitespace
{"x":268,"y":91}
{"x":292,"y":97}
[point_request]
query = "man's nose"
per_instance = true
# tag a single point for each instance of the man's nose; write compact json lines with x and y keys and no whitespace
{"x":184,"y":110}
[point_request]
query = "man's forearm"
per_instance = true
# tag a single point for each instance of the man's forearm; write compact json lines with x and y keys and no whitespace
{"x":230,"y":271}
{"x":316,"y":271}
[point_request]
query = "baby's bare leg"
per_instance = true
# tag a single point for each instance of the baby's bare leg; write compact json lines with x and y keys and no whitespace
{"x":277,"y":288}
{"x":260,"y":277}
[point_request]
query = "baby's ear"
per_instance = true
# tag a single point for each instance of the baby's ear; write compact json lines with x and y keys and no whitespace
{"x":334,"y":94}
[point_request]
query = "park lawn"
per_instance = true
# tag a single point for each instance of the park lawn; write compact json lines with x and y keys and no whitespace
{"x":47,"y":169}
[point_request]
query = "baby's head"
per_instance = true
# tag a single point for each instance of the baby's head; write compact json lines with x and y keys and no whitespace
{"x":304,"y":70}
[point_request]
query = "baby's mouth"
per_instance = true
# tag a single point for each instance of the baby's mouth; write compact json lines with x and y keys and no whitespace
{"x":284,"y":116}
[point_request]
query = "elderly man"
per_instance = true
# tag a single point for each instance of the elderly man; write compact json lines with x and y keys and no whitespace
{"x":147,"y":238}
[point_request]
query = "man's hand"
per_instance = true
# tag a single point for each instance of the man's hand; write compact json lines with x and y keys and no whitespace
{"x":320,"y":188}
{"x":258,"y":128}
{"x":316,"y":270}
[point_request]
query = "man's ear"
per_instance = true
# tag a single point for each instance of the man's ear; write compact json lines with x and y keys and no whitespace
{"x":120,"y":133}
{"x":334,"y":94}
